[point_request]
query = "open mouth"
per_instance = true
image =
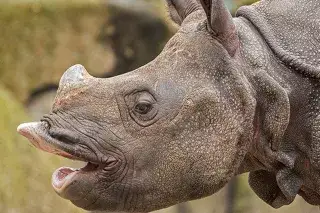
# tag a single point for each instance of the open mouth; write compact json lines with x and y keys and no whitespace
{"x":37,"y":134}
{"x":64,"y":175}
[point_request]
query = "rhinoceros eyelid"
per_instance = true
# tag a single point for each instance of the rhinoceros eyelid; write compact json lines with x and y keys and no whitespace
{"x":145,"y":97}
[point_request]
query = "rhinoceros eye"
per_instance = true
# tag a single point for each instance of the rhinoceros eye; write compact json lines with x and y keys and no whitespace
{"x":143,"y":107}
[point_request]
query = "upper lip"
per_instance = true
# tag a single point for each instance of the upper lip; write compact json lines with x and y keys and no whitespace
{"x":37,"y":133}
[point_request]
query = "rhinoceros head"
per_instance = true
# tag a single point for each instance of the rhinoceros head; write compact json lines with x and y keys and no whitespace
{"x":173,"y":130}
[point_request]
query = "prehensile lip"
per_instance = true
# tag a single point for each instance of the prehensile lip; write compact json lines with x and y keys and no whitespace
{"x":36,"y":133}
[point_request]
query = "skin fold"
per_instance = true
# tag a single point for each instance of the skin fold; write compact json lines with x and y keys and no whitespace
{"x":217,"y":102}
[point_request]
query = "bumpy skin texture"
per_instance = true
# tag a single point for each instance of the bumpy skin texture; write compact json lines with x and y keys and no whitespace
{"x":224,"y":97}
{"x":288,"y":88}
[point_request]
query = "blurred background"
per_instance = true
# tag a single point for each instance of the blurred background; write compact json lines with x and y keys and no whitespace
{"x":39,"y":40}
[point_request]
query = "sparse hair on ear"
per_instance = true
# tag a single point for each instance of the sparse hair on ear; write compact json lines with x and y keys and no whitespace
{"x":180,"y":9}
{"x":221,"y":24}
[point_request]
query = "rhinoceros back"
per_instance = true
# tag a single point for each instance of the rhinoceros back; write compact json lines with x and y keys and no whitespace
{"x":292,"y":30}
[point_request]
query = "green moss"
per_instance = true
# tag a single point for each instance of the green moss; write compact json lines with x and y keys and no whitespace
{"x":25,"y":172}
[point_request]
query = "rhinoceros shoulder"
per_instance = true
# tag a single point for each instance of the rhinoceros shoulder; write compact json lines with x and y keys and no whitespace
{"x":291,"y":28}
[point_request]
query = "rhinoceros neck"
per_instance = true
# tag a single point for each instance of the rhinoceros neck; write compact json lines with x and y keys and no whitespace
{"x":272,"y":113}
{"x":287,"y":136}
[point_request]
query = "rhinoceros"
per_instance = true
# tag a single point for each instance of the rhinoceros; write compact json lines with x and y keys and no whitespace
{"x":225,"y":96}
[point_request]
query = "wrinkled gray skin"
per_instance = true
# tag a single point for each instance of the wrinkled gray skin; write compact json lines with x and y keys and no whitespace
{"x":225,"y":96}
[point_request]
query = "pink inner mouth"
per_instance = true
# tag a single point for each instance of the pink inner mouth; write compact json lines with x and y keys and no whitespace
{"x":65,"y":174}
{"x":61,"y":175}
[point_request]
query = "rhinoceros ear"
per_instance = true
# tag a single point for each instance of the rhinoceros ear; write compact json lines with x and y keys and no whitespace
{"x":220,"y":23}
{"x":180,"y":9}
